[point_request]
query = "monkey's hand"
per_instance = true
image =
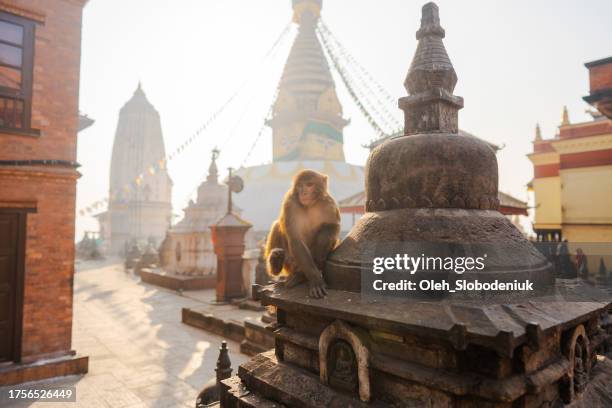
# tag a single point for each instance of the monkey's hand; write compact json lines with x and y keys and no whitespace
{"x":317,"y":288}
{"x":276,"y":260}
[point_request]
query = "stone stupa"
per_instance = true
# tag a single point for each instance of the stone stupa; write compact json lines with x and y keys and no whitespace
{"x":430,"y":189}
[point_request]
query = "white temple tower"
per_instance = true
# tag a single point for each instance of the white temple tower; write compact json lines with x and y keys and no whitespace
{"x":140,"y":203}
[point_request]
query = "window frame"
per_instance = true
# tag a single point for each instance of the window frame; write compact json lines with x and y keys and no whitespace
{"x":23,"y":94}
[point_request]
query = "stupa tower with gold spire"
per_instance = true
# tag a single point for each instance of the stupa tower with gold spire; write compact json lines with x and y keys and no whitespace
{"x":307,"y":129}
{"x":307,"y":120}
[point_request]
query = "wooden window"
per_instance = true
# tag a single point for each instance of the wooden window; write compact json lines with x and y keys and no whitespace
{"x":16,"y":67}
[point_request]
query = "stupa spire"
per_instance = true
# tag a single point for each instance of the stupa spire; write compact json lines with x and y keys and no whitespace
{"x":307,"y":122}
{"x":139,"y":90}
{"x":306,"y":63}
{"x":431,"y":106}
{"x":565,"y":117}
{"x":306,"y":8}
{"x":139,"y":99}
{"x":538,"y":133}
{"x":213,"y":172}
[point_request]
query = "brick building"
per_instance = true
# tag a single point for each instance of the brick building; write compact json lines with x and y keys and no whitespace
{"x":40,"y":42}
{"x":600,"y":84}
{"x":572,"y":171}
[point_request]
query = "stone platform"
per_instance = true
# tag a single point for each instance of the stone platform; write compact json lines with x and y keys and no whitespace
{"x":441,"y":353}
{"x":291,"y":386}
{"x":173,"y":281}
{"x":243,"y":321}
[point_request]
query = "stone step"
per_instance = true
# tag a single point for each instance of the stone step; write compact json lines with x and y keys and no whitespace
{"x":230,"y":321}
{"x":257,"y":338}
{"x":211,"y":323}
{"x":249,"y":304}
{"x":176,"y":282}
{"x":272,"y":382}
{"x":235,"y":395}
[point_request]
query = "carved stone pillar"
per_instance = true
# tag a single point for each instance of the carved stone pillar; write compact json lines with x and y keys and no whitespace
{"x":228,"y":241}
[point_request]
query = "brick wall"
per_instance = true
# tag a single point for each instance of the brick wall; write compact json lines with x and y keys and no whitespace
{"x":594,"y":128}
{"x":543,"y":146}
{"x":56,"y":81}
{"x":600,"y":77}
{"x":51,"y":189}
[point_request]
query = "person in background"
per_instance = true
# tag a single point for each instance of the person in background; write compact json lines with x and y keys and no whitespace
{"x":582,"y":264}
{"x":566,"y":267}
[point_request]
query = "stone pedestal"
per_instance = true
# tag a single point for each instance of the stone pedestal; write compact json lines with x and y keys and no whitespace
{"x":228,"y":241}
{"x":440,"y":354}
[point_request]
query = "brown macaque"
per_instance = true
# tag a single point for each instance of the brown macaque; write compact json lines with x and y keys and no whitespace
{"x":305,"y":233}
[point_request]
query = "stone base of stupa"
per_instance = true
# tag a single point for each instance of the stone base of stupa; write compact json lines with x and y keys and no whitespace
{"x":410,"y":353}
{"x":293,"y":387}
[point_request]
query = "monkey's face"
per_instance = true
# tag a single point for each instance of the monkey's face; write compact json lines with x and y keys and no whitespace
{"x":307,"y":192}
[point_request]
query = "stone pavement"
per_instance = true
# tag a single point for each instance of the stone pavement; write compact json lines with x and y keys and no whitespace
{"x":140,"y":355}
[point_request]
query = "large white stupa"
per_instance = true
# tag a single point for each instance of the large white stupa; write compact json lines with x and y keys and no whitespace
{"x":307,"y":129}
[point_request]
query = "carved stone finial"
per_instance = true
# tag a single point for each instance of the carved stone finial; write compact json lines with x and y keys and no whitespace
{"x":565,"y":117}
{"x":431,"y":106}
{"x":213,"y":172}
{"x":538,"y":133}
{"x":430,"y":19}
{"x":212,"y":389}
{"x":224,"y":365}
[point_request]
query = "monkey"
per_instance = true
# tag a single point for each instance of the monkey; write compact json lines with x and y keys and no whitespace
{"x":305,"y":233}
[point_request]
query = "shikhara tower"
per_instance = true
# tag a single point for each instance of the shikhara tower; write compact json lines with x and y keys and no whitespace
{"x":140,"y":188}
{"x":307,"y":120}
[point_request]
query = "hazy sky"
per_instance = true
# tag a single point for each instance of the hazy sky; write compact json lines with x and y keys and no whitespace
{"x":518,"y":63}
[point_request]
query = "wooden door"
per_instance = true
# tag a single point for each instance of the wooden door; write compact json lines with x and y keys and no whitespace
{"x":12,"y":241}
